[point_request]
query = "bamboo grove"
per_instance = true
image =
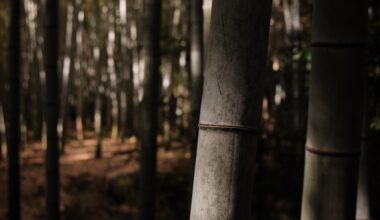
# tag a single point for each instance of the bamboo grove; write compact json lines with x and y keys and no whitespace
{"x":189,"y":109}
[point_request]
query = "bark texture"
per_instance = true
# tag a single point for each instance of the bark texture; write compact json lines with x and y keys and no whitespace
{"x":149,"y":110}
{"x":335,"y":110}
{"x":230,"y":110}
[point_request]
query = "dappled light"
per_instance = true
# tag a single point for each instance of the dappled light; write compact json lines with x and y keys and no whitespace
{"x":189,"y":109}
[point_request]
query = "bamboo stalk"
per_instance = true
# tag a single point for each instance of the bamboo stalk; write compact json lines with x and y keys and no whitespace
{"x":52,"y":108}
{"x":230,"y":110}
{"x":335,"y":110}
{"x":13,"y":111}
{"x":149,"y":109}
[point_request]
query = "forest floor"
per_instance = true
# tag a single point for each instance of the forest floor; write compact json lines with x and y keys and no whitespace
{"x":107,"y":188}
{"x":101,"y":189}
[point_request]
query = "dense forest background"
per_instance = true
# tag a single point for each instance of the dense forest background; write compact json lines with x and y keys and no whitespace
{"x":101,"y":74}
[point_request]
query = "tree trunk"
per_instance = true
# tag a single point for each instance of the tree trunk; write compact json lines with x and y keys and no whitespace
{"x":99,"y":56}
{"x":36,"y":82}
{"x":2,"y":133}
{"x":79,"y":73}
{"x":231,"y":110}
{"x":67,"y":70}
{"x":13,"y":111}
{"x":335,"y":110}
{"x":130,"y":97}
{"x":363,"y":199}
{"x":293,"y":35}
{"x":111,"y":71}
{"x":363,"y":196}
{"x":52,"y":107}
{"x":128,"y":51}
{"x":196,"y":69}
{"x":149,"y":108}
{"x":2,"y":127}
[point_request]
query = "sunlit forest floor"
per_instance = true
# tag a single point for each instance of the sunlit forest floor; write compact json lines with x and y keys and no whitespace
{"x":107,"y":188}
{"x":101,"y":189}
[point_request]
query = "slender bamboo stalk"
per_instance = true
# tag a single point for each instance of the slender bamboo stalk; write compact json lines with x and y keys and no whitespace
{"x":149,"y":110}
{"x":67,"y":69}
{"x":2,"y":123}
{"x":335,"y":110}
{"x":79,"y":73}
{"x":196,"y":53}
{"x":13,"y":111}
{"x":52,"y":108}
{"x":231,"y":110}
{"x":2,"y":129}
{"x":98,"y":58}
{"x":363,"y":211}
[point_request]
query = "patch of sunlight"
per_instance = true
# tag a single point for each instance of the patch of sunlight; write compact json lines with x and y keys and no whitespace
{"x":276,"y":64}
{"x":280,"y":94}
{"x":77,"y":157}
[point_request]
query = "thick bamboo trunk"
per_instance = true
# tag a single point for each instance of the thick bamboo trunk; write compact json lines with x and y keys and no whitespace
{"x":196,"y":68}
{"x":231,"y":110}
{"x":149,"y":110}
{"x":13,"y":111}
{"x":52,"y":108}
{"x":335,"y":110}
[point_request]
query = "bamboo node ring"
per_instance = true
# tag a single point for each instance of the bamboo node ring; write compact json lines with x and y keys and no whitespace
{"x":332,"y":153}
{"x":235,"y":128}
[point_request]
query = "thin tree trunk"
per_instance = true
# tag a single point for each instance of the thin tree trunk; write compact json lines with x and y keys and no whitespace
{"x":291,"y":10}
{"x":363,"y":196}
{"x":127,"y":84}
{"x":99,"y":55}
{"x":111,"y":69}
{"x":79,"y":72}
{"x":335,"y":110}
{"x":2,"y":126}
{"x":196,"y":69}
{"x":52,"y":107}
{"x":363,"y":199}
{"x":2,"y":123}
{"x":130,"y":92}
{"x":231,"y":110}
{"x":149,"y":110}
{"x":67,"y":70}
{"x":130,"y":98}
{"x":35,"y":95}
{"x":13,"y":111}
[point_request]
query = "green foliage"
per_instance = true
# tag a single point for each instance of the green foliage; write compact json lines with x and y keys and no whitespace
{"x":303,"y":55}
{"x":375,"y":124}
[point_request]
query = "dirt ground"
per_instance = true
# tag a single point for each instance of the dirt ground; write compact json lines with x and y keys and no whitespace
{"x":101,"y":189}
{"x":107,"y":188}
